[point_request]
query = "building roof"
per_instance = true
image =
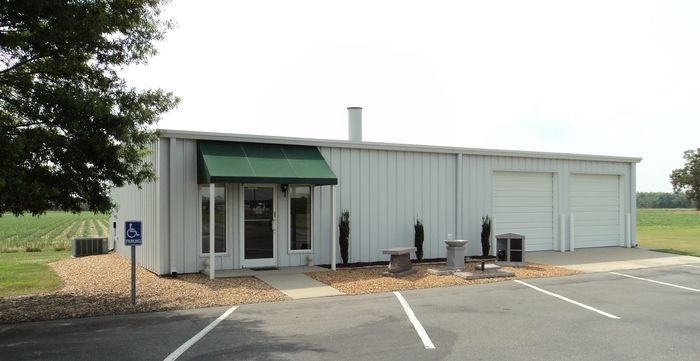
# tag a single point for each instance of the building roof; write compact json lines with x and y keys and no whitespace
{"x":195,"y":135}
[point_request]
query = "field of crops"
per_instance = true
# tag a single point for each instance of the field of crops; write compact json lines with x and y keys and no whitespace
{"x":51,"y":231}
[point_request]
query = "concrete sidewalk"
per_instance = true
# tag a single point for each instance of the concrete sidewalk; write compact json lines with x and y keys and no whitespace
{"x":289,"y":280}
{"x":607,"y":259}
{"x":298,"y":285}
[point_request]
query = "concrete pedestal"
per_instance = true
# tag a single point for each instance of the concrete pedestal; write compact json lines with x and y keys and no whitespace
{"x":455,"y":254}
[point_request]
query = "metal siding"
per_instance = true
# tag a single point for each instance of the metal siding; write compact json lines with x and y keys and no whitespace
{"x":392,"y":186}
{"x":385,"y":196}
{"x":364,"y":210}
{"x":189,"y":214}
{"x":403,"y":222}
{"x":162,"y":200}
{"x":382,"y":206}
{"x":177,"y":236}
{"x":370,"y":244}
{"x":383,"y":189}
{"x":136,"y":203}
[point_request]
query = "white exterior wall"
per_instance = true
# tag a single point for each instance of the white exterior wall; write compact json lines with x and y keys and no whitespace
{"x":384,"y":190}
{"x":477,"y":189}
{"x":406,"y":184}
{"x":136,"y":204}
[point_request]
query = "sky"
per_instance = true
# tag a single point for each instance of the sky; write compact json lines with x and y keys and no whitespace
{"x":592,"y":77}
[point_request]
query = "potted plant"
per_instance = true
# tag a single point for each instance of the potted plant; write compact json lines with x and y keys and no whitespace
{"x":419,"y":236}
{"x":344,"y":235}
{"x":485,"y":235}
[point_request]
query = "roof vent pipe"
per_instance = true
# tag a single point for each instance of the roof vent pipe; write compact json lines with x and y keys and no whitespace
{"x":355,"y":124}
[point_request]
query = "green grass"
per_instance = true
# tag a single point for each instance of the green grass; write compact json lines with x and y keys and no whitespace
{"x":26,"y":273}
{"x":28,"y":244}
{"x":669,"y":230}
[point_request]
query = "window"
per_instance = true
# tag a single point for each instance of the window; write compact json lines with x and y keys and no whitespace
{"x":300,"y":218}
{"x":219,"y":218}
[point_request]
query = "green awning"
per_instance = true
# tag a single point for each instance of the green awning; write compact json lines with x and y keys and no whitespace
{"x":238,"y":162}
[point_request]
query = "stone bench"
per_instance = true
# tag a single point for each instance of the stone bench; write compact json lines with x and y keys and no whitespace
{"x":400,"y":263}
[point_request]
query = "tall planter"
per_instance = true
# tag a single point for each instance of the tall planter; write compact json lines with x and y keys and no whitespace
{"x":344,"y":235}
{"x":419,"y":236}
{"x":485,"y":235}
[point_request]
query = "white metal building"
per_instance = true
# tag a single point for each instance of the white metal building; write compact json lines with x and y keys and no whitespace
{"x":276,"y":205}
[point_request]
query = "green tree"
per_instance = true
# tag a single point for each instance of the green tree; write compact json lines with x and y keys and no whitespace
{"x":70,"y":126}
{"x":687,"y":179}
{"x":663,"y":200}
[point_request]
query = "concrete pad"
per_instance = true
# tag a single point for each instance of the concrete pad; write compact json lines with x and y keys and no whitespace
{"x":297,"y":285}
{"x":606,"y":259}
{"x":488,"y":274}
{"x":247,"y":272}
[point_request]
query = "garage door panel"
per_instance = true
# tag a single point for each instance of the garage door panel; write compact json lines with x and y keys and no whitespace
{"x":595,"y":203}
{"x":597,"y":216}
{"x":523,"y":203}
{"x":524,"y":217}
{"x":542,"y":208}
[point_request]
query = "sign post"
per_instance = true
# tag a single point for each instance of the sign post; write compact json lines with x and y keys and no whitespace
{"x":133,"y":237}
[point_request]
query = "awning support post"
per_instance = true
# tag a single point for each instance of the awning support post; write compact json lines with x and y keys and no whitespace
{"x":334,"y":224}
{"x":212,"y":262}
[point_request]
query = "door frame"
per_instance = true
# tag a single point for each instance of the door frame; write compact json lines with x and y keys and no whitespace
{"x":263,"y":262}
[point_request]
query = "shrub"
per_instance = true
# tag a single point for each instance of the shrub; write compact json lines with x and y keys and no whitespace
{"x":419,"y":237}
{"x":32,"y":248}
{"x":485,"y":235}
{"x":344,"y":236}
{"x":60,"y":246}
{"x":9,"y":250}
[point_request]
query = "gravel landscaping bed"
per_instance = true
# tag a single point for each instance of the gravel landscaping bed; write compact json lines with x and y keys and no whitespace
{"x":101,"y":285}
{"x":370,"y":279}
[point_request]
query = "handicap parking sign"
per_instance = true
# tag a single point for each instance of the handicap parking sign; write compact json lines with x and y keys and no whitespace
{"x":132,"y":233}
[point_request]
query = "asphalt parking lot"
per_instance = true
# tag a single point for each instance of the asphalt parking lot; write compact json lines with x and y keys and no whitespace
{"x":595,"y":316}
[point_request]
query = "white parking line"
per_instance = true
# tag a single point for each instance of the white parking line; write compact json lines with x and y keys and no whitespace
{"x":659,"y":282}
{"x":180,"y":350}
{"x":691,"y":265}
{"x":416,"y":324}
{"x":569,"y":300}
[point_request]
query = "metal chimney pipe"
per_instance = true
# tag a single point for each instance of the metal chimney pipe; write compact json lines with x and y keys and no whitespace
{"x":355,"y":124}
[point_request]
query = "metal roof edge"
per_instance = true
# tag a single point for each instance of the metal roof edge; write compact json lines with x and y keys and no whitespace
{"x":197,"y":135}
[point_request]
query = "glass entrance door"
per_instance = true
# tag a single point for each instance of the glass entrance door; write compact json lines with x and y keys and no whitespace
{"x":259,"y":226}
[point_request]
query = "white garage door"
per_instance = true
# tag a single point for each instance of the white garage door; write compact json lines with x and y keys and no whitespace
{"x":523,"y":203}
{"x":595,"y":204}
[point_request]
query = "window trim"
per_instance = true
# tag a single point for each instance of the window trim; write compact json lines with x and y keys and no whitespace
{"x":200,"y":189}
{"x":311,"y":220}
